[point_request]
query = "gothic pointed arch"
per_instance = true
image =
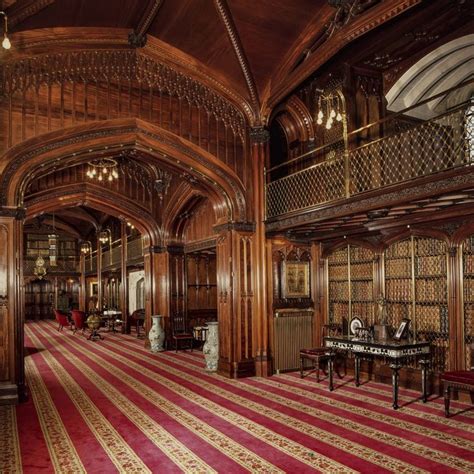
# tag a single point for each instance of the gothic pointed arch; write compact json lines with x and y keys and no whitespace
{"x":85,"y":142}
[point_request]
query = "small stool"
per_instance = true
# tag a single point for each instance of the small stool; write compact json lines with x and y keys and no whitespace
{"x":316,"y":355}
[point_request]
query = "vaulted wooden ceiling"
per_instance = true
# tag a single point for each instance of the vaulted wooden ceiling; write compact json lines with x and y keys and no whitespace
{"x":260,"y":49}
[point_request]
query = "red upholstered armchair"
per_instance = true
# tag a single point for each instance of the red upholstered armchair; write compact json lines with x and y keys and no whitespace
{"x":79,"y":319}
{"x":61,"y":318}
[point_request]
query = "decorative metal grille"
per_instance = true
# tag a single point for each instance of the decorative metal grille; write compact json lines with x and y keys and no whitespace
{"x":431,"y":296}
{"x":416,"y":288}
{"x":468,"y":293}
{"x":320,"y":183}
{"x":398,"y":282}
{"x":362,"y":284}
{"x":437,"y":145}
{"x":338,"y":287}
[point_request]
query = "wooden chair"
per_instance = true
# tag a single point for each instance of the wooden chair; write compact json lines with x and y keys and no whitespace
{"x":456,"y":380}
{"x":61,"y":318}
{"x":79,"y":320}
{"x":180,"y":333}
{"x":137,"y":318}
{"x":321,"y":354}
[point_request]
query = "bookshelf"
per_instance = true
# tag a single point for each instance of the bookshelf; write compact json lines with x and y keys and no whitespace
{"x":416,"y":288}
{"x":350,"y":285}
{"x":468,"y":298}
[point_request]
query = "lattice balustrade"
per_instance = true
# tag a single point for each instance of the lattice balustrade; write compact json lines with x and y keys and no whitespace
{"x":320,"y":183}
{"x":468,"y":294}
{"x":425,"y":149}
{"x":419,"y":150}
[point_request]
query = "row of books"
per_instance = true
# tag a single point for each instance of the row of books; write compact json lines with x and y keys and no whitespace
{"x":468,"y":263}
{"x":361,"y":290}
{"x":398,"y":268}
{"x":435,"y":290}
{"x":430,"y":265}
{"x":399,"y":290}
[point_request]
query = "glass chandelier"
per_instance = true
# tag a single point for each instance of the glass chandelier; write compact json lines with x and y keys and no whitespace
{"x":104,"y":169}
{"x":332,"y":105}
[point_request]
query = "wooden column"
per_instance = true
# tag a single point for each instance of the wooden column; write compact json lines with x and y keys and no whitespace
{"x":235,"y":299}
{"x":317,"y":292}
{"x":12,"y":380}
{"x":82,"y":283}
{"x":259,"y":138}
{"x":157,"y":286}
{"x":124,"y":276}
{"x":457,"y":359}
{"x":100,"y":302}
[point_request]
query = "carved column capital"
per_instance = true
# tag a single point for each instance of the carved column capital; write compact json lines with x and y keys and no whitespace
{"x":19,"y":213}
{"x":259,"y":135}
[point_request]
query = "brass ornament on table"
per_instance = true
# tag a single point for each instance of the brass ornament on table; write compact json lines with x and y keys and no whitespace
{"x":381,"y":330}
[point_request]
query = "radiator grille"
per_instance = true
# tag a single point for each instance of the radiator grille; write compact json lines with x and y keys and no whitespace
{"x":293,"y":330}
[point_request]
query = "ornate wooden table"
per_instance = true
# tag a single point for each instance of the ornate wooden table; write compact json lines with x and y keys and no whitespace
{"x":396,"y":352}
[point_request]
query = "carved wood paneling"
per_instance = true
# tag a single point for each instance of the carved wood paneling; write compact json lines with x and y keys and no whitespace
{"x":50,"y":92}
{"x":200,"y":223}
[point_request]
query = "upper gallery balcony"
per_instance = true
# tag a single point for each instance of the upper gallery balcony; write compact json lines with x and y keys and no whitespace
{"x":404,"y":149}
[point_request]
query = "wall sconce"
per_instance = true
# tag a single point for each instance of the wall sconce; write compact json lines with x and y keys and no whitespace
{"x":86,"y":247}
{"x":104,"y":237}
{"x":6,"y":41}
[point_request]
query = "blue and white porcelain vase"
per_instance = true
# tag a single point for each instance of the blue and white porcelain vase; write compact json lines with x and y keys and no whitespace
{"x":211,"y":347}
{"x":157,"y":334}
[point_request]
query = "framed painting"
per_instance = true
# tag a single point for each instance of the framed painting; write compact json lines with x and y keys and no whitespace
{"x":295,"y":280}
{"x":402,"y":330}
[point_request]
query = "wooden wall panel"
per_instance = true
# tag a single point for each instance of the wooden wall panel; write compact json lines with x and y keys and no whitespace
{"x":200,"y":224}
{"x":5,"y":316}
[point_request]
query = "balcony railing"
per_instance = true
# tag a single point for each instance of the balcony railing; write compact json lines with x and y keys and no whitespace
{"x":409,"y":148}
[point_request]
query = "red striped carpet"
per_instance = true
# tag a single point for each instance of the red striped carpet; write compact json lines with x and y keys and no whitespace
{"x":111,"y":406}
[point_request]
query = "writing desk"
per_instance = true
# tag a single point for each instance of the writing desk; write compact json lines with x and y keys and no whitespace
{"x":396,"y":352}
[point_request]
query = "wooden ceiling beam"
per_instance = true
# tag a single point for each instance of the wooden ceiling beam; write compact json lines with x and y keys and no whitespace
{"x":357,"y":27}
{"x":226,"y":17}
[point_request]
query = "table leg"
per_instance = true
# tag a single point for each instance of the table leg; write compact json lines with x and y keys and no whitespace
{"x":331,"y":373}
{"x":424,"y":379}
{"x":446,"y":400}
{"x":357,"y":370}
{"x":395,"y":368}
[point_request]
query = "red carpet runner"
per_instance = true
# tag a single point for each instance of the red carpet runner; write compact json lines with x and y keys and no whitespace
{"x":111,"y":406}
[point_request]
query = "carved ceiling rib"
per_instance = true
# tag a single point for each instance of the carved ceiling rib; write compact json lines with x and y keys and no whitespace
{"x":138,"y":37}
{"x":356,"y":27}
{"x":226,"y":16}
{"x":20,"y":11}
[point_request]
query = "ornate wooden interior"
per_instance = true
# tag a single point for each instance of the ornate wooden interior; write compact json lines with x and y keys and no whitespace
{"x":216,"y":113}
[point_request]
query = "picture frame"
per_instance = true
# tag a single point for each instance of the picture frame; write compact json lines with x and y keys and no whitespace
{"x":402,"y":330}
{"x":295,"y":279}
